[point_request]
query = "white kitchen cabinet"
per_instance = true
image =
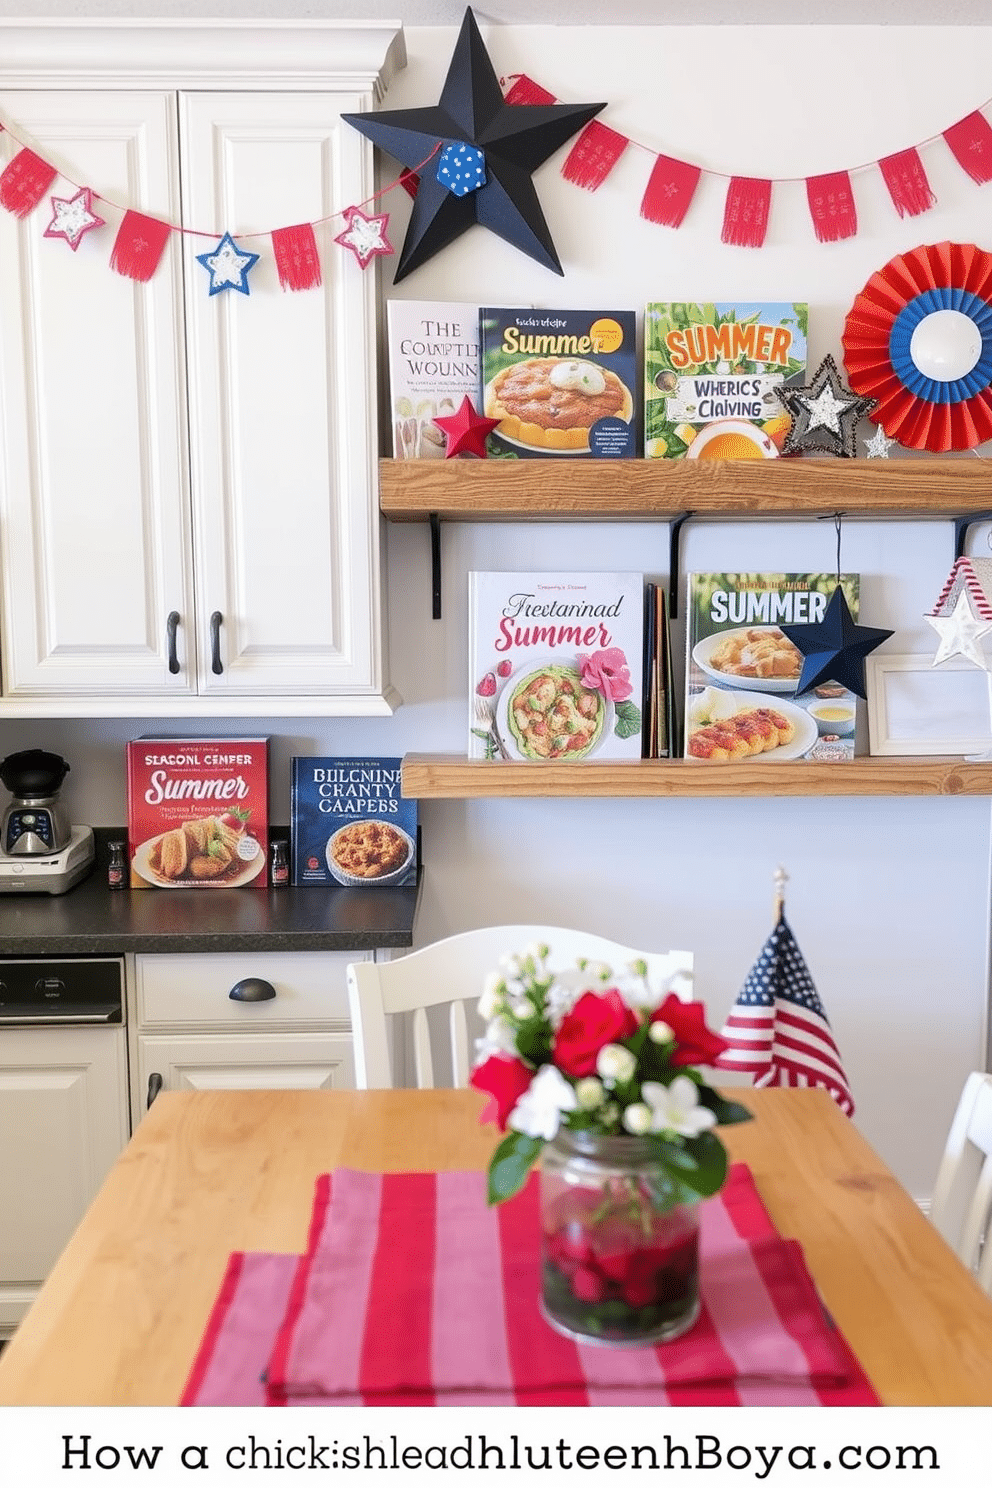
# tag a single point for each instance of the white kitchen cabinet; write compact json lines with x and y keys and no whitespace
{"x":188,"y":483}
{"x":189,"y":1033}
{"x":63,"y":1123}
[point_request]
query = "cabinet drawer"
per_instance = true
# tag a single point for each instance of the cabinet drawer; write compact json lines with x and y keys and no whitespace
{"x":195,"y":991}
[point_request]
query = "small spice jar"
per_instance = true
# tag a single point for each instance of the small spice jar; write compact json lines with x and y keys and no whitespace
{"x":279,"y":864}
{"x":116,"y":866}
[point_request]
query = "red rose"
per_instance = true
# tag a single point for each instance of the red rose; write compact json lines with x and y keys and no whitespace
{"x":694,"y":1042}
{"x":597,"y":1018}
{"x":505,"y":1080}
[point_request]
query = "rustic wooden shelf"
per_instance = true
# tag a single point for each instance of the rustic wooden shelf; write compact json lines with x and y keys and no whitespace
{"x":663,"y":490}
{"x":453,"y":777}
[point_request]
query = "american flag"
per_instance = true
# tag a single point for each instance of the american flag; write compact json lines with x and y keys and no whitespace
{"x":777,"y":1029}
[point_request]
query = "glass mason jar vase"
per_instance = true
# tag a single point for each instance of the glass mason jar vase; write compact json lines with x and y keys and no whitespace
{"x":615,"y":1269}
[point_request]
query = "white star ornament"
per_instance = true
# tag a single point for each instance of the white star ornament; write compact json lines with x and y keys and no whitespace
{"x":228,"y":266}
{"x":959,"y":633}
{"x":72,"y":217}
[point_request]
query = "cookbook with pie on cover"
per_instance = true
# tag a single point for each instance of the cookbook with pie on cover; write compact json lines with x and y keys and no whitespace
{"x":710,"y":374}
{"x":742,"y":672}
{"x":556,"y":665}
{"x":351,"y":824}
{"x":561,"y":382}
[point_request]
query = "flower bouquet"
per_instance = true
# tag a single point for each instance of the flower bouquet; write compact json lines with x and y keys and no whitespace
{"x":594,"y":1072}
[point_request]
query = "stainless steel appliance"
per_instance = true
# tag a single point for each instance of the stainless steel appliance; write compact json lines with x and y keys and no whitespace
{"x":40,"y":850}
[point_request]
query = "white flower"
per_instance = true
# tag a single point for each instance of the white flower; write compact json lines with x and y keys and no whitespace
{"x":590,"y":1093}
{"x":676,"y":1108}
{"x":492,"y":996}
{"x":539,"y":1110}
{"x":637,"y":1118}
{"x":597,"y":971}
{"x":615,"y":1064}
{"x":521,"y":1007}
{"x":660,"y":1033}
{"x":500,"y":1037}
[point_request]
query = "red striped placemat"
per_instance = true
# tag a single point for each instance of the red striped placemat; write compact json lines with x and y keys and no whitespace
{"x":414,"y":1292}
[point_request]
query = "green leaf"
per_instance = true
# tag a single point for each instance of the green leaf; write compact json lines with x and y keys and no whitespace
{"x":727,"y":1112}
{"x":628,"y":720}
{"x":510,"y":1164}
{"x":710,"y":1171}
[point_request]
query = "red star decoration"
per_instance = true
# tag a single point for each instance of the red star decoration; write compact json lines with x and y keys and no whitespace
{"x":365,"y":236}
{"x":465,"y":431}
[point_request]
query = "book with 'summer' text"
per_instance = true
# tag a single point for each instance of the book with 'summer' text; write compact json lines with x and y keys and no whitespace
{"x":710,"y":375}
{"x":556,"y":666}
{"x":351,"y":824}
{"x":742,"y":672}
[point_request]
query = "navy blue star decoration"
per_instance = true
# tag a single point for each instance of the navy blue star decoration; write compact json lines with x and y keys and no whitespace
{"x":490,"y":182}
{"x":834,"y":649}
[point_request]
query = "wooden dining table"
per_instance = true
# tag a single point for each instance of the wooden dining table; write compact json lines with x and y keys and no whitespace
{"x":209,"y":1172}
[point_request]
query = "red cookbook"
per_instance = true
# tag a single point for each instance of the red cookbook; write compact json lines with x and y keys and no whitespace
{"x":197,"y":813}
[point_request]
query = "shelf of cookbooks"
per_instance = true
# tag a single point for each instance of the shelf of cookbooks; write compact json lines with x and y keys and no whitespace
{"x":571,"y":690}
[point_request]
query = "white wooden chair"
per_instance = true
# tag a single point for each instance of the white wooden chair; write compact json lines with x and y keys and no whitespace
{"x":453,"y":971}
{"x":961,"y":1207}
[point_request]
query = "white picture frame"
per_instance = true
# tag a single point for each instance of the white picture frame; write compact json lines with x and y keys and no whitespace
{"x":915,"y":707}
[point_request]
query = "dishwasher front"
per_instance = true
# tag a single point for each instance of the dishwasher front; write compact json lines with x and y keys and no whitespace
{"x":63,"y":1108}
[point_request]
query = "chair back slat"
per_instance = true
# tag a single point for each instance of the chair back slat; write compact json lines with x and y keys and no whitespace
{"x":453,"y":971}
{"x":961,"y":1207}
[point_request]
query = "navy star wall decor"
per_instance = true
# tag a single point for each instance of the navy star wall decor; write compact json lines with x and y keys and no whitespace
{"x":834,"y":649}
{"x":490,"y":182}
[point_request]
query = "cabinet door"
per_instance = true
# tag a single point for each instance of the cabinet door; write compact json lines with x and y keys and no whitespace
{"x":93,"y":479}
{"x":282,"y":400}
{"x":63,"y":1122}
{"x":245,"y":1061}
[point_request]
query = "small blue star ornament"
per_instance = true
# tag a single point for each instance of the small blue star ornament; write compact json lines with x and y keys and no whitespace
{"x":228,"y":266}
{"x":834,"y":649}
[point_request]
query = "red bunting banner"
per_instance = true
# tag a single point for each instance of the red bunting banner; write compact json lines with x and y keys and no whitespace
{"x":593,"y":156}
{"x":831,"y":206}
{"x":297,"y":260}
{"x":24,"y":182}
{"x":671,"y":187}
{"x":906,"y":179}
{"x":525,"y":90}
{"x":970,"y":142}
{"x":139,"y":246}
{"x":745,"y":213}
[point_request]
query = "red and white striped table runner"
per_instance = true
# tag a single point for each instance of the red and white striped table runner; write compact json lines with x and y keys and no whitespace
{"x":414,"y":1292}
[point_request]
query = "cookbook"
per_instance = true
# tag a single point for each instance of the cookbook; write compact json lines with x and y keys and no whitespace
{"x":556,"y":666}
{"x":561,"y":382}
{"x":197,"y":812}
{"x":710,"y":374}
{"x":742,"y":671}
{"x":433,"y":350}
{"x":351,"y":824}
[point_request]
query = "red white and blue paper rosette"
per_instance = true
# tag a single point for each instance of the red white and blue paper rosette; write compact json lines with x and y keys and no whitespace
{"x":918,"y":339}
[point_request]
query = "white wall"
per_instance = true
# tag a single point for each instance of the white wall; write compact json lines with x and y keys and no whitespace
{"x":889,"y":898}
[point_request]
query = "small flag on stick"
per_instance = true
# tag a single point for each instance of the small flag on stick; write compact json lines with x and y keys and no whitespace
{"x":777,"y":1029}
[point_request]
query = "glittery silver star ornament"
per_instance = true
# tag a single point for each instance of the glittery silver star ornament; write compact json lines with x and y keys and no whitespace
{"x":228,"y":266}
{"x":878,"y":446}
{"x":834,"y":648}
{"x":825,"y":414}
{"x":512,"y":138}
{"x":959,"y":633}
{"x":73,"y":217}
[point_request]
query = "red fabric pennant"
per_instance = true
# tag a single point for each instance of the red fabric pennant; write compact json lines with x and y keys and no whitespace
{"x":593,"y":156}
{"x":970,"y":142}
{"x":409,"y":180}
{"x":907,"y":182}
{"x":745,"y":214}
{"x":139,"y":246}
{"x":525,"y":90}
{"x":24,"y":181}
{"x":297,"y":260}
{"x":832,"y":206}
{"x":670,"y":189}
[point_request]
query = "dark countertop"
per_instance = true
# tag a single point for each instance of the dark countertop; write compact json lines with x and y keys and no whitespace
{"x":92,"y":919}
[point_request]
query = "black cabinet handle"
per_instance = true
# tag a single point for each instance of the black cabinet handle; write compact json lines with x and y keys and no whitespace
{"x":216,"y":665}
{"x":154,"y":1086}
{"x":171,"y":627}
{"x":252,"y":989}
